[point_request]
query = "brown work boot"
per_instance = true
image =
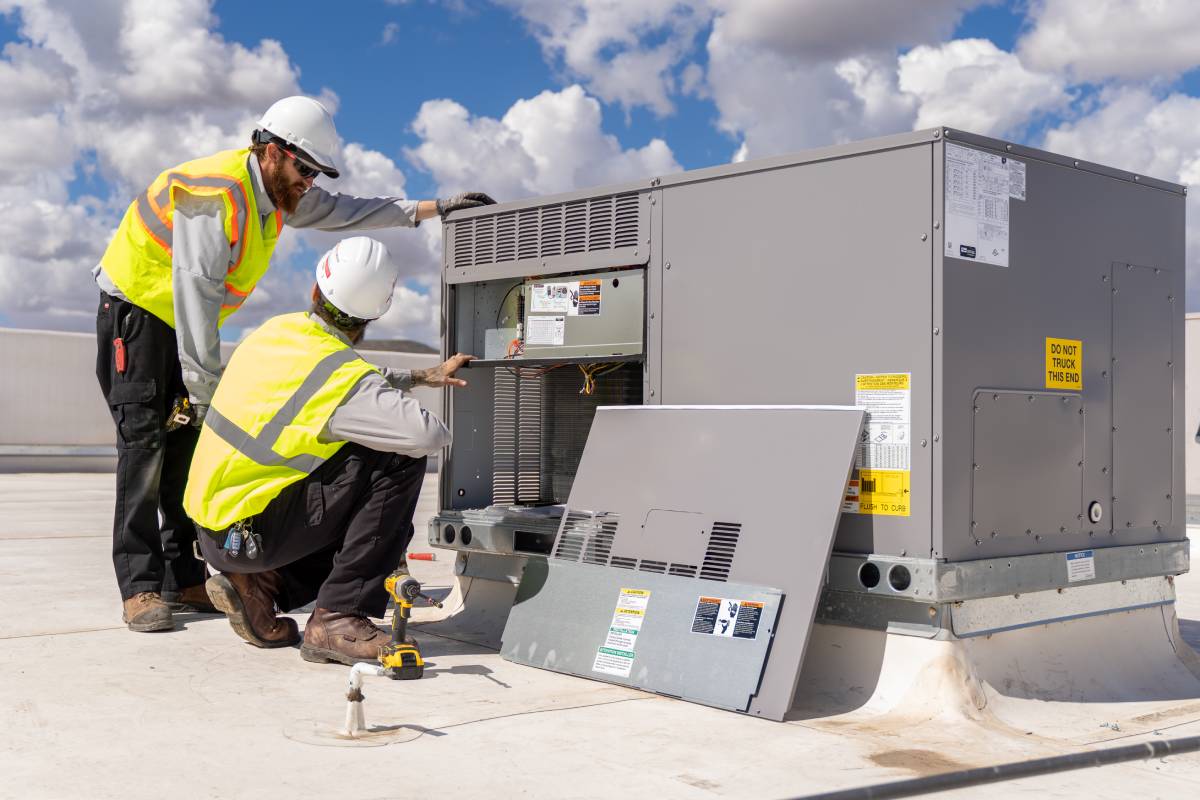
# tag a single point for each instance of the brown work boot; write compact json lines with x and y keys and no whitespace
{"x":145,"y":612}
{"x":249,"y":602}
{"x":344,"y":638}
{"x":194,"y":598}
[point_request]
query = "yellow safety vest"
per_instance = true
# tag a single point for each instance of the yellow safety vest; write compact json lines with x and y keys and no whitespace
{"x":138,"y":259}
{"x":260,"y":435}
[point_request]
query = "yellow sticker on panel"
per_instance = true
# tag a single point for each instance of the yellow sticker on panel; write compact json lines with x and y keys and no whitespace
{"x":884,"y":491}
{"x":1064,"y":364}
{"x":880,"y":483}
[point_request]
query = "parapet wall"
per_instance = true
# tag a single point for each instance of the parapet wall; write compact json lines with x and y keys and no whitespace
{"x":53,"y":417}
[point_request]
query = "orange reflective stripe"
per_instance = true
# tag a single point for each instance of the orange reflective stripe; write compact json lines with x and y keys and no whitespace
{"x":229,"y":287}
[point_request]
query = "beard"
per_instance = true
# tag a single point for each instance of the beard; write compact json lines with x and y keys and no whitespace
{"x":285,"y":194}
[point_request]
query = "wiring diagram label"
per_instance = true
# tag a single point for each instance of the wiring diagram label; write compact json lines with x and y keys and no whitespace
{"x":723,"y":616}
{"x":546,"y":330}
{"x":615,"y":656}
{"x":573,"y":298}
{"x":881,"y":480}
{"x":979,"y":186}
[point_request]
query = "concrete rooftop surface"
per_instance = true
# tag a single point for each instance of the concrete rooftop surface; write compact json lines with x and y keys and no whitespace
{"x":90,"y":709}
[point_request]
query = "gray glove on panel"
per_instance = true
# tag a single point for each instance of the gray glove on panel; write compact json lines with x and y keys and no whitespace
{"x":461,"y":201}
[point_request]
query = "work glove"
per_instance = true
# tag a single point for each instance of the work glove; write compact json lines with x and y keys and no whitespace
{"x":461,"y":201}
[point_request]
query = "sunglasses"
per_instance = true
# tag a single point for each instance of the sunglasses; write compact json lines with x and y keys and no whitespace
{"x":305,"y":169}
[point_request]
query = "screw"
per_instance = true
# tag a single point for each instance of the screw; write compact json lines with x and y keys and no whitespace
{"x":937,"y":437}
{"x":923,"y":443}
{"x":1008,"y":147}
{"x":993,"y":534}
{"x":937,"y":134}
{"x":1104,"y":278}
{"x":652,"y":393}
{"x":1077,"y":163}
{"x":668,"y":265}
{"x":937,"y":224}
{"x":924,"y":236}
{"x":651,"y":315}
{"x":1104,"y":470}
{"x":1079,"y":464}
{"x":1104,"y":374}
{"x":1037,"y":538}
{"x":978,"y":542}
{"x":936,"y":331}
{"x":1028,"y":531}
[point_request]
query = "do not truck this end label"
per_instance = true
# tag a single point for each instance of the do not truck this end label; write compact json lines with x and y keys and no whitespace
{"x":1064,"y":364}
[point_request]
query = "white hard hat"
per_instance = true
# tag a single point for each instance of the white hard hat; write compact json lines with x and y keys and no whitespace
{"x":305,"y":123}
{"x":358,"y":277}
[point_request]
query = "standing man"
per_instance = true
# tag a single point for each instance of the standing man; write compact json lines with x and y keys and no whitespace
{"x":187,"y":254}
{"x":309,"y":465}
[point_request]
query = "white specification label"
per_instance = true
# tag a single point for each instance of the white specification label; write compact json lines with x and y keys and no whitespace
{"x":545,"y":330}
{"x":1081,"y":566}
{"x":979,"y":186}
{"x":616,"y":656}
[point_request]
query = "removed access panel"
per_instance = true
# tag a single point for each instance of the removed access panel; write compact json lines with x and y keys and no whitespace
{"x":680,"y":569}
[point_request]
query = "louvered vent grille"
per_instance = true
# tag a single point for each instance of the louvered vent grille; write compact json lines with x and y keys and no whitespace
{"x":599,"y":546}
{"x":646,"y":565}
{"x":516,"y":439}
{"x":718,"y":557}
{"x":683,"y":570}
{"x":601,"y":223}
{"x":506,"y":238}
{"x":578,"y":528}
{"x":621,"y":562}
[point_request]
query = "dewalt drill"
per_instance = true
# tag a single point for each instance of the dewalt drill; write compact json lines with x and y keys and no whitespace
{"x":401,"y":659}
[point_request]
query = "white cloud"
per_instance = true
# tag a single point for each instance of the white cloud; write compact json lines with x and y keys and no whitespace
{"x":1093,"y":40}
{"x":1136,"y":131}
{"x":88,"y":88}
{"x":624,"y":52}
{"x":389,"y":33}
{"x":830,"y":30}
{"x":550,"y":143}
{"x":805,"y":103}
{"x":972,"y":84}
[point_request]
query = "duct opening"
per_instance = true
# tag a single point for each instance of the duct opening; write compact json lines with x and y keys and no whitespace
{"x":868,"y":575}
{"x":899,"y":577}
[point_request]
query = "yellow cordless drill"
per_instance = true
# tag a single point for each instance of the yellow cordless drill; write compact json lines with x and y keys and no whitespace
{"x":401,"y":659}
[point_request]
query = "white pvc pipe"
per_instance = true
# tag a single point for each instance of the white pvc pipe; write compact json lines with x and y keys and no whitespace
{"x":356,"y":721}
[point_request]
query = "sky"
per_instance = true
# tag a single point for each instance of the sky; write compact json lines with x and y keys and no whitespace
{"x":529,"y":97}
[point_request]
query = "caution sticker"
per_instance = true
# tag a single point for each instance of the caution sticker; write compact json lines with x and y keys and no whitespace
{"x":881,"y":483}
{"x":1064,"y":364}
{"x":723,"y":616}
{"x":615,"y":656}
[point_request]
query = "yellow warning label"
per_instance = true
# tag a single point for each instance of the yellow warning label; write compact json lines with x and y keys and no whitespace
{"x":1064,"y":364}
{"x":893,"y":380}
{"x":884,"y":491}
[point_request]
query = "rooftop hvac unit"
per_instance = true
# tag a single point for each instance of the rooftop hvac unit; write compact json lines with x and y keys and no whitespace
{"x":870,"y":384}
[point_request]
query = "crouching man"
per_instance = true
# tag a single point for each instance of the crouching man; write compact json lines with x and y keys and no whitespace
{"x":307,"y":470}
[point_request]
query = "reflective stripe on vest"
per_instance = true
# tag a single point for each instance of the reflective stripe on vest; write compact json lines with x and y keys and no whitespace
{"x":261,"y":432}
{"x":138,"y":259}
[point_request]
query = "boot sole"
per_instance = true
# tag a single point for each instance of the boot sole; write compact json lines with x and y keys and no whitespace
{"x":151,"y":627}
{"x":319,"y":655}
{"x":229,"y":602}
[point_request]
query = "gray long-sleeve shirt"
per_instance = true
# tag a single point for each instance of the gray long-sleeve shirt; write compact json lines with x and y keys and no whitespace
{"x":200,"y":260}
{"x":378,"y":413}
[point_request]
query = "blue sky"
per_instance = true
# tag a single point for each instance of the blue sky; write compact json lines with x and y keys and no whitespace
{"x":523,"y":97}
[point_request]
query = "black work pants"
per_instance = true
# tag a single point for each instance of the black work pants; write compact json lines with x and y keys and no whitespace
{"x":335,"y":535}
{"x":152,"y":536}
